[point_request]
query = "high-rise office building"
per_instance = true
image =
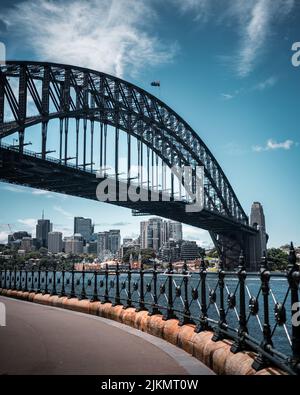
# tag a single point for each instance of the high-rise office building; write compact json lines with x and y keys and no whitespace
{"x":26,"y":244}
{"x":102,"y":242}
{"x":73,"y":244}
{"x":92,"y":248}
{"x":43,"y":227}
{"x":114,"y":240}
{"x":155,"y":232}
{"x":171,"y":230}
{"x":151,"y":233}
{"x":109,"y":241}
{"x":175,"y":230}
{"x":143,"y":234}
{"x":55,"y":244}
{"x":83,"y":226}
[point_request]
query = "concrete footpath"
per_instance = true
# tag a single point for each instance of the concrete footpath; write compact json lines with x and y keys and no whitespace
{"x":41,"y":339}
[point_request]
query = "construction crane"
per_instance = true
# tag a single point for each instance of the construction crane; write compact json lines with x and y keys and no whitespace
{"x":10,"y":229}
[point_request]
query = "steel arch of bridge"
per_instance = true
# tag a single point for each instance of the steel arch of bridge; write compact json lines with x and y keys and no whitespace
{"x":72,"y":92}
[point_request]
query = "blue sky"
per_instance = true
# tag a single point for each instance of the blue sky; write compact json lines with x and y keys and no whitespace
{"x":224,"y":66}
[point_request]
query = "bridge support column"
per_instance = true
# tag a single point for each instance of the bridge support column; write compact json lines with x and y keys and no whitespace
{"x":44,"y":139}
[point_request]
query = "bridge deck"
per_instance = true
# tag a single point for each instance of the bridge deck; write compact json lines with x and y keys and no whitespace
{"x":49,"y":175}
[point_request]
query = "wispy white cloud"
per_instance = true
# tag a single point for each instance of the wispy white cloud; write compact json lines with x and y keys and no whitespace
{"x":108,"y":35}
{"x":15,"y":189}
{"x":47,"y":194}
{"x":62,"y":211}
{"x":233,"y":148}
{"x":39,"y":192}
{"x":200,"y":236}
{"x":3,"y":236}
{"x":267,"y":83}
{"x":253,"y":19}
{"x":34,"y":192}
{"x":64,"y":229}
{"x":273,"y":145}
{"x":227,"y":96}
{"x":29,"y":224}
{"x":200,"y":8}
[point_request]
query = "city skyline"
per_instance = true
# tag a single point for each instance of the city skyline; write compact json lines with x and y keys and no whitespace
{"x":169,"y":229}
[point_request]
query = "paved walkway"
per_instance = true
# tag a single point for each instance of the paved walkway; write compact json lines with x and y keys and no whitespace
{"x":47,"y":340}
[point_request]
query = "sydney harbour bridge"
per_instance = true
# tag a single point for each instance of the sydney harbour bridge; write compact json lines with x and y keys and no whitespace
{"x":77,"y":120}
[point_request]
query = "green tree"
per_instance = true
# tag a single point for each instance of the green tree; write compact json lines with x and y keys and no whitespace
{"x":277,"y":259}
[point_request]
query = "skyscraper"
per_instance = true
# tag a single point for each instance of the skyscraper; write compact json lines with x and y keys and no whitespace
{"x":102,"y":242}
{"x":114,"y":240}
{"x":73,"y":244}
{"x":55,"y":243}
{"x":83,"y":226}
{"x":43,"y":227}
{"x":151,"y":233}
{"x":143,"y":234}
{"x":155,"y":232}
{"x":26,"y":244}
{"x":173,"y":230}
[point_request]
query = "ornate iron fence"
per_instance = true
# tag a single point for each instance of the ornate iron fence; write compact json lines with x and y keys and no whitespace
{"x":258,"y":311}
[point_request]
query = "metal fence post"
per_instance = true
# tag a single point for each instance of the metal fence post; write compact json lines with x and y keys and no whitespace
{"x":95,"y":294}
{"x":32,"y":278}
{"x":5,"y":274}
{"x":72,"y":293}
{"x":154,"y":305}
{"x":20,"y":282}
{"x":15,"y":278}
{"x":106,"y":292}
{"x":39,"y":280}
{"x":142,"y":294}
{"x":10,"y":276}
{"x":186,"y":317}
{"x":83,"y":293}
{"x":293,"y":279}
{"x":26,"y":280}
{"x":203,"y":323}
{"x":46,"y":282}
{"x":239,"y":344}
{"x":170,"y":312}
{"x":218,"y":333}
{"x":63,"y":292}
{"x":128,"y":301}
{"x":260,"y":361}
{"x":117,"y":300}
{"x":54,"y":281}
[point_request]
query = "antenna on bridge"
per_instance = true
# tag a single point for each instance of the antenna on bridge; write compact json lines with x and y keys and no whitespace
{"x":43,"y":214}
